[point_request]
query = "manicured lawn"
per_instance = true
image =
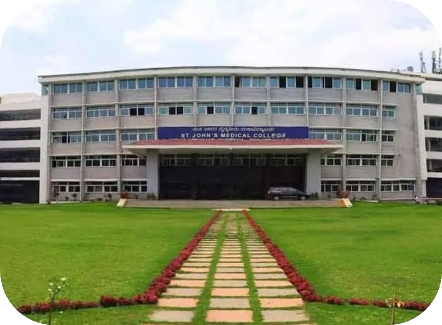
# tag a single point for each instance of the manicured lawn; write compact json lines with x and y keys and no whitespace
{"x":101,"y":249}
{"x":368,"y":251}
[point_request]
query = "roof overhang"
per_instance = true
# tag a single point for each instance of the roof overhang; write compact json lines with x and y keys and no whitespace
{"x":239,"y":146}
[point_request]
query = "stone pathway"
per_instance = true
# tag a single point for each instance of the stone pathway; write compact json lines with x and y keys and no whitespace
{"x":230,"y":278}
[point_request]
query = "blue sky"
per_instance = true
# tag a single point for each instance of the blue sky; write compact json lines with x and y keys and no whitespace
{"x":63,"y":36}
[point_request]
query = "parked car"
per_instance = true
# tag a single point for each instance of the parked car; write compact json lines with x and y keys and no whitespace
{"x":277,"y":193}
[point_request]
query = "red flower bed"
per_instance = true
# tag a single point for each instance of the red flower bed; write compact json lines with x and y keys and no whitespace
{"x":303,"y":287}
{"x":150,"y":296}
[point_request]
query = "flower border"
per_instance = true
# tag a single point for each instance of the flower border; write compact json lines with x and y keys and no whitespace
{"x":156,"y":288}
{"x":305,"y":289}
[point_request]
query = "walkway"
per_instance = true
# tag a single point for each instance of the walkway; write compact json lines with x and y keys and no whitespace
{"x":230,"y":278}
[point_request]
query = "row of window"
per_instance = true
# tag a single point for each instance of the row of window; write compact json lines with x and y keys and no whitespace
{"x":100,"y":187}
{"x":358,"y":160}
{"x":103,"y":136}
{"x":149,"y":134}
{"x":226,"y":81}
{"x":351,"y":135}
{"x":368,"y":186}
{"x":97,"y":161}
{"x":223,"y":108}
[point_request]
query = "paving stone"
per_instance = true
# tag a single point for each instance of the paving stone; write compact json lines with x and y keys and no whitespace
{"x":223,"y":303}
{"x":281,"y":302}
{"x":266,"y":270}
{"x":230,"y":292}
{"x":274,"y":316}
{"x":183,"y":292}
{"x":272,"y":283}
{"x":262,"y":260}
{"x":199,"y":259}
{"x":269,"y":276}
{"x":230,"y":260}
{"x":229,"y":316}
{"x":230,"y":270}
{"x":230,"y":283}
{"x":191,"y":276}
{"x":187,"y":283}
{"x":172,"y":316}
{"x":266,"y":264}
{"x":254,"y":255}
{"x":230,"y":264}
{"x":224,"y":255}
{"x":178,"y":302}
{"x":195,"y":269}
{"x":230,"y":276}
{"x":277,"y":292}
{"x":195,"y":264}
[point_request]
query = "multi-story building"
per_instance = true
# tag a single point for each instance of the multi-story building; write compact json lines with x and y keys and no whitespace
{"x":19,"y":148}
{"x":231,"y":132}
{"x":430,"y":108}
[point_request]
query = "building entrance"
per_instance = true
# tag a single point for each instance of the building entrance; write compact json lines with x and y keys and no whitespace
{"x":228,"y":176}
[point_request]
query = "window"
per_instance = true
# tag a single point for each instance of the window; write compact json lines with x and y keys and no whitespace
{"x":66,"y":162}
{"x":135,"y":186}
{"x":432,"y":99}
{"x":396,"y":87}
{"x":250,"y":82}
{"x":145,"y":83}
{"x":286,"y":160}
{"x":101,"y":136}
{"x":66,"y":137}
{"x":361,"y":110}
{"x":388,"y":112}
{"x":68,"y":88}
{"x":99,"y":86}
{"x":126,"y":84}
{"x":251,"y":108}
{"x":184,"y":82}
{"x":44,"y":90}
{"x":213,"y":108}
{"x":166,"y":82}
{"x":102,"y":187}
{"x":66,"y":113}
{"x":100,"y":111}
{"x":331,"y":160}
{"x":387,"y":161}
{"x":218,"y":81}
{"x":388,"y":136}
{"x":362,"y":160}
{"x":101,"y":161}
{"x":362,"y":84}
{"x":175,"y":160}
{"x":397,"y":186}
{"x":326,"y":134}
{"x":137,"y":134}
{"x":324,"y":109}
{"x":330,"y":186}
{"x":175,"y":109}
{"x":362,"y":135}
{"x":132,"y":160}
{"x":360,"y":186}
{"x":325,"y":82}
{"x":287,"y":82}
{"x":419,"y":89}
{"x":137,"y":110}
{"x":210,"y":160}
{"x":404,"y":88}
{"x":287,"y":108}
{"x":65,"y":187}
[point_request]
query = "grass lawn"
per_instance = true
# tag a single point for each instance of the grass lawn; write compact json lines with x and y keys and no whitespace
{"x":368,"y":251}
{"x":101,"y":249}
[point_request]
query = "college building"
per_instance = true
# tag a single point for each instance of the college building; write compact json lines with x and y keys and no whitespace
{"x":233,"y":132}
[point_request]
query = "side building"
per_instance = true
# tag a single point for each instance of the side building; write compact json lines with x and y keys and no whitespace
{"x":20,"y":144}
{"x":179,"y":132}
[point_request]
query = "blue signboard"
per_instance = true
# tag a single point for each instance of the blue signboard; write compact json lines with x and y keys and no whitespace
{"x":234,"y":132}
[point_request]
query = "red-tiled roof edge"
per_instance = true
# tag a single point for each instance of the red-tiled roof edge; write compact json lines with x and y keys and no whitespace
{"x":218,"y":142}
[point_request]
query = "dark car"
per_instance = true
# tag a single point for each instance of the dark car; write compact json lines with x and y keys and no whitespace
{"x":276,"y":193}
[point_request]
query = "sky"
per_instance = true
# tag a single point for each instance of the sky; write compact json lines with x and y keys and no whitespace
{"x":66,"y":36}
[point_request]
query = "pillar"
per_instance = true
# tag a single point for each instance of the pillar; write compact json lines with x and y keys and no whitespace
{"x":152,"y":165}
{"x":313,"y":172}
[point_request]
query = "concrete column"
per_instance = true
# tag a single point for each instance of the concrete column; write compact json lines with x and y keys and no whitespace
{"x":313,"y":172}
{"x":45,"y":185}
{"x":152,"y":165}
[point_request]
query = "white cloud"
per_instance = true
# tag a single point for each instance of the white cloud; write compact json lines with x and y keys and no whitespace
{"x":286,"y":32}
{"x":36,"y":18}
